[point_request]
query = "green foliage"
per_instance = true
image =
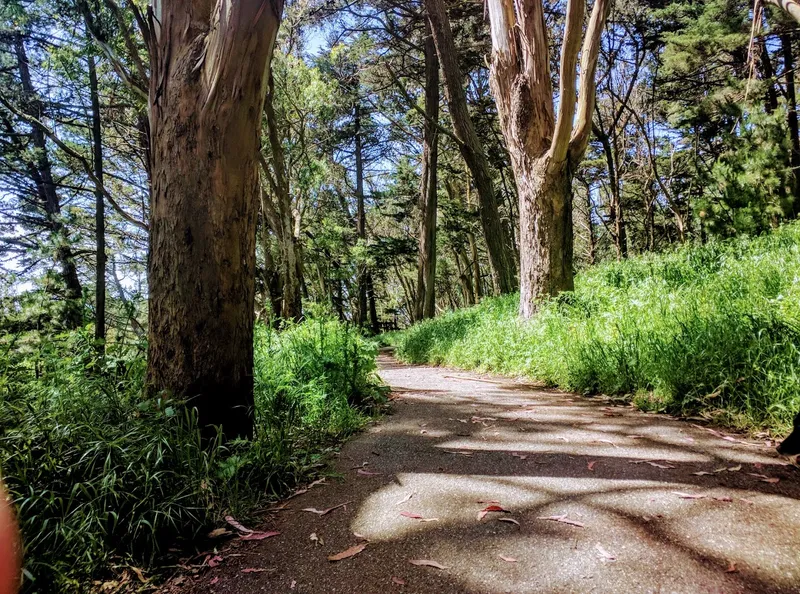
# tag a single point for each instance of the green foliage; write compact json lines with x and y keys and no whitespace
{"x":711,"y":329}
{"x":100,"y":474}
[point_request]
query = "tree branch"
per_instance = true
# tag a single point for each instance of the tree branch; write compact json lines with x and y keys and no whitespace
{"x":566,"y":86}
{"x":87,"y":167}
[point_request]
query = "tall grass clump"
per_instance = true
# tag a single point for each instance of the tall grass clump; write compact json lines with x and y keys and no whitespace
{"x":711,"y":329}
{"x":101,"y":475}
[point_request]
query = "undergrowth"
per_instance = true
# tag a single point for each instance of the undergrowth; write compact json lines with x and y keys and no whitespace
{"x":100,"y":475}
{"x":711,"y":330}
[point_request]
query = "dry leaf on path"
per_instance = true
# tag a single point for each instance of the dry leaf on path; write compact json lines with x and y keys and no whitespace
{"x":363,"y":472}
{"x":683,"y":495}
{"x":426,"y":563}
{"x":398,"y":581}
{"x":563,"y":519}
{"x":323,"y":512}
{"x":352,"y":551}
{"x":404,"y":499}
{"x":411,"y":515}
{"x":491,"y":508}
{"x":590,"y":465}
{"x":232,"y":521}
{"x":735,"y":468}
{"x":213,"y":581}
{"x":259,"y":535}
{"x":702,"y":473}
{"x":520,"y":456}
{"x":657,"y":465}
{"x":604,"y":553}
{"x":507,"y":559}
{"x":218,"y":533}
{"x":509,"y":520}
{"x":214,"y":561}
{"x":731,"y":568}
{"x":254,"y":570}
{"x":771,"y":480}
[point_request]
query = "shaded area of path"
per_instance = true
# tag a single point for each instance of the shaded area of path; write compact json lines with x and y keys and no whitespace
{"x":455,"y":439}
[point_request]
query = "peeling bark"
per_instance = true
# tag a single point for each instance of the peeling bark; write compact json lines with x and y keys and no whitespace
{"x":209,"y":65}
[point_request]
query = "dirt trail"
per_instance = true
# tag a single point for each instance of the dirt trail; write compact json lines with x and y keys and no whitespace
{"x":455,"y":439}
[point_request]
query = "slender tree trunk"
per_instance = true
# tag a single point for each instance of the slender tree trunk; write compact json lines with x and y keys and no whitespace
{"x":615,"y":213}
{"x":281,"y":215}
{"x":42,"y":171}
{"x":371,"y":302}
{"x":426,"y":277}
{"x":794,"y":133}
{"x":99,"y":213}
{"x":208,"y":65}
{"x":501,"y":258}
{"x":361,"y":215}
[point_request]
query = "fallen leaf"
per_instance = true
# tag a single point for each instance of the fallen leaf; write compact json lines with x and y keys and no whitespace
{"x":253,"y":570}
{"x":731,"y":568}
{"x":509,"y":520}
{"x":608,"y":441}
{"x":491,"y":508}
{"x":735,"y":468}
{"x":728,"y":438}
{"x":404,"y":499}
{"x":352,"y":551}
{"x":411,"y":515}
{"x":259,"y":535}
{"x":314,"y":538}
{"x":771,"y":480}
{"x":360,"y":536}
{"x":398,"y":581}
{"x":139,"y":574}
{"x":702,"y":473}
{"x":508,"y":559}
{"x":214,"y":581}
{"x":590,"y":465}
{"x":363,"y":472}
{"x":657,"y":465}
{"x":426,"y":563}
{"x":293,"y":585}
{"x":748,"y":501}
{"x":214,"y":561}
{"x":688,"y":495}
{"x":218,"y":533}
{"x":604,"y":553}
{"x":230,"y":520}
{"x":563,"y":519}
{"x":757,"y":465}
{"x":323,"y":512}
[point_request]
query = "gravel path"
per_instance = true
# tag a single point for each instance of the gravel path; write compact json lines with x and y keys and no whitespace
{"x":598,"y":498}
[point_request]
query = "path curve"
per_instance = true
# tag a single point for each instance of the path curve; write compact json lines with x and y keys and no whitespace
{"x":647,"y":503}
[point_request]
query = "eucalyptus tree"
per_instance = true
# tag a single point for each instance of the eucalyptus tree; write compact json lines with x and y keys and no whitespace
{"x":208,"y":67}
{"x":545,"y":150}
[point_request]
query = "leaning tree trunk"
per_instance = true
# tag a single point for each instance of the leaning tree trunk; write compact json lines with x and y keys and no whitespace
{"x":426,"y":271}
{"x":209,"y":65}
{"x":544,"y":150}
{"x":501,"y":257}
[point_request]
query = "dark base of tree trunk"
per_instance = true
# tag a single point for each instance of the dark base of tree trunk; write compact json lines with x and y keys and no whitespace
{"x":545,"y":206}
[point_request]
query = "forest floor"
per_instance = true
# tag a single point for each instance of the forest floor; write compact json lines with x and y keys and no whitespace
{"x":596,"y":498}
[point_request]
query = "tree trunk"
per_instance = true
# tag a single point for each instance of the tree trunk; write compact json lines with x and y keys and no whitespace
{"x":208,"y":64}
{"x":99,"y":213}
{"x":794,"y":133}
{"x":361,"y":214}
{"x":426,"y":277}
{"x":281,"y":216}
{"x":545,"y":209}
{"x":544,"y":150}
{"x":42,"y":173}
{"x":501,"y":258}
{"x":615,"y":213}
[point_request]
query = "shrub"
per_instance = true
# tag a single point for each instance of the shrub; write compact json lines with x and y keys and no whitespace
{"x":99,"y":473}
{"x":712,"y":329}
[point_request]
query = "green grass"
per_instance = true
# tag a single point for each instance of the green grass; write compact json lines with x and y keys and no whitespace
{"x":102,"y":476}
{"x":712,"y":330}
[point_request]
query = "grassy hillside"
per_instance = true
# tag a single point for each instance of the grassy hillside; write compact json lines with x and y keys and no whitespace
{"x":711,"y":329}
